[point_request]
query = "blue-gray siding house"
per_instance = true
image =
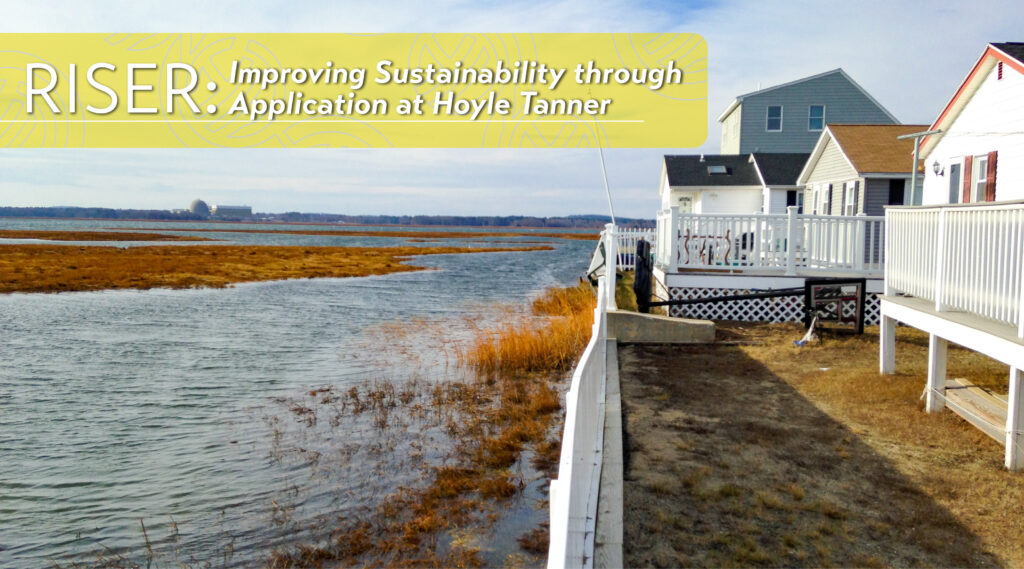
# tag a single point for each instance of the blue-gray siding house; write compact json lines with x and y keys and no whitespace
{"x":791,"y":117}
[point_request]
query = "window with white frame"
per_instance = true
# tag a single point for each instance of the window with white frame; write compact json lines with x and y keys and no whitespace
{"x":850,"y":199}
{"x":773,"y":121}
{"x":980,"y":176}
{"x":816,"y":117}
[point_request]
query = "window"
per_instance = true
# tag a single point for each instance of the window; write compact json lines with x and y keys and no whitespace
{"x":816,"y":117}
{"x":774,"y":120}
{"x":980,"y":178}
{"x":850,"y":199}
{"x":954,"y":183}
{"x":717,"y":169}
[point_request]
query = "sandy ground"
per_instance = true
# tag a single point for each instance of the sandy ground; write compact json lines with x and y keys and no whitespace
{"x":729,"y":464}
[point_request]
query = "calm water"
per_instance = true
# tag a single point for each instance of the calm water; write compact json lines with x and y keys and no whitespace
{"x":160,"y":405}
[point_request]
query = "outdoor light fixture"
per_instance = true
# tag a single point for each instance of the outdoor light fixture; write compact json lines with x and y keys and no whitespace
{"x":938,"y":169}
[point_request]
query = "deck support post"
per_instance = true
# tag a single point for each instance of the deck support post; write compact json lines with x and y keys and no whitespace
{"x":887,"y":345}
{"x":1015,"y":422}
{"x":938,"y":349}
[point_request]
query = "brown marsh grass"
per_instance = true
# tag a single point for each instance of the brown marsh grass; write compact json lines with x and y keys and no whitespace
{"x":532,"y":344}
{"x":93,"y":236}
{"x":55,"y":268}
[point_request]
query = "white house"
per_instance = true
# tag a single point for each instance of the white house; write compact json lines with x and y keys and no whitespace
{"x":733,"y":183}
{"x":955,"y":268}
{"x":979,"y":155}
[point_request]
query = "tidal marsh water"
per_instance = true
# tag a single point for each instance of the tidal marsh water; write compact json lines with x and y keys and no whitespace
{"x":172,"y":406}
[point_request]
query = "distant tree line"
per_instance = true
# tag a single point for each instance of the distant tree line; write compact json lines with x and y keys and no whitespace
{"x":572,"y":221}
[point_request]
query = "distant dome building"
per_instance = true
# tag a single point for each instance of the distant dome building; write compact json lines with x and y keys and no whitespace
{"x":199,"y":207}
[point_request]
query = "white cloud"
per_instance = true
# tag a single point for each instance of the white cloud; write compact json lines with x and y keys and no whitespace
{"x":909,"y":55}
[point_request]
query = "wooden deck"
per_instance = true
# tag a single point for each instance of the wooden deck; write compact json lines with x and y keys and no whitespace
{"x":978,"y":406}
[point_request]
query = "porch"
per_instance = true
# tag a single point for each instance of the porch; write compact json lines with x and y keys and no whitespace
{"x":955,"y":271}
{"x":703,"y":255}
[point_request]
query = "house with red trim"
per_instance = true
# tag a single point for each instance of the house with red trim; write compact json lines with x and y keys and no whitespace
{"x":954,"y":267}
{"x":979,"y":154}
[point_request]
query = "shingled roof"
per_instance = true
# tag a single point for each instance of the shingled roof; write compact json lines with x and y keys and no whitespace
{"x":780,"y":168}
{"x":692,"y":170}
{"x":874,"y":148}
{"x":1014,"y":49}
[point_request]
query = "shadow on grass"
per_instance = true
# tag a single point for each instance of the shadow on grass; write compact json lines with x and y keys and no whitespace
{"x":728,"y":465}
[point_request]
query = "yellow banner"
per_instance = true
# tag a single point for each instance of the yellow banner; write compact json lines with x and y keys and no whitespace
{"x":352,"y":90}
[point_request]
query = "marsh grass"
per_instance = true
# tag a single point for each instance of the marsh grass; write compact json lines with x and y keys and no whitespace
{"x":532,"y":344}
{"x":507,"y":409}
{"x":55,"y":268}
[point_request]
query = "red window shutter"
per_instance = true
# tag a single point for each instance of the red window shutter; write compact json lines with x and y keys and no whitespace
{"x":990,"y":177}
{"x":967,"y":178}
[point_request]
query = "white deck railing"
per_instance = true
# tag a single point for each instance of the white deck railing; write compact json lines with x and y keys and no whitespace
{"x":626,"y":240}
{"x":784,"y":243}
{"x":573,"y":495}
{"x":968,"y":258}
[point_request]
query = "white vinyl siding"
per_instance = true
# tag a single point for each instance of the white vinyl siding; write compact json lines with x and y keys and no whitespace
{"x":995,"y":108}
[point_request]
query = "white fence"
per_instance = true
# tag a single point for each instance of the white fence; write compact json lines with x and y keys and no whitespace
{"x":626,"y":240}
{"x":769,"y":242}
{"x":968,"y":258}
{"x":573,"y":495}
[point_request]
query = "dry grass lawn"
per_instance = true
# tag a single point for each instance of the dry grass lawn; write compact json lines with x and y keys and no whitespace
{"x":753,"y":452}
{"x":58,"y":268}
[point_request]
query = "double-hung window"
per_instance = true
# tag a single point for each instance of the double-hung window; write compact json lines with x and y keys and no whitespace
{"x":816,"y":117}
{"x":773,"y":121}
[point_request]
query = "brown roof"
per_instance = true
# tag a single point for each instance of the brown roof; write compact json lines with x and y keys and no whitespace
{"x":873,"y":148}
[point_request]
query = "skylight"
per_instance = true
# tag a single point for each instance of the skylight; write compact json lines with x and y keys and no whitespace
{"x":717,"y":169}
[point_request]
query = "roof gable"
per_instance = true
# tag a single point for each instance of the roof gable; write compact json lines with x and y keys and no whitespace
{"x":837,"y":71}
{"x":1009,"y":53}
{"x":695,"y":171}
{"x":778,"y":168}
{"x":868,"y":148}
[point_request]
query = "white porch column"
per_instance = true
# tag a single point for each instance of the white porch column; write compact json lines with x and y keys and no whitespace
{"x":887,"y":345}
{"x":935,"y":400}
{"x":672,"y":263}
{"x":1015,"y":422}
{"x":791,"y":238}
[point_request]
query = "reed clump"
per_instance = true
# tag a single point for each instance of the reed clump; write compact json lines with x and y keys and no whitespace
{"x":534,"y":344}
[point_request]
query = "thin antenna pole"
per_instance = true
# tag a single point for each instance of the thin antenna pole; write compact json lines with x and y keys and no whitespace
{"x":607,"y":189}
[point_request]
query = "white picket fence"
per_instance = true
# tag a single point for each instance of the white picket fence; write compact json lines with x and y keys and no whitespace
{"x":573,"y":495}
{"x":784,"y":243}
{"x":968,"y":258}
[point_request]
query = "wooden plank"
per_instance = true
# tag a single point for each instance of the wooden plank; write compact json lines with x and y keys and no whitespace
{"x":978,"y":407}
{"x":608,"y":542}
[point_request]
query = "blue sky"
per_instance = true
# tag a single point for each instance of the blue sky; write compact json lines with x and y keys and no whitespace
{"x":909,"y":55}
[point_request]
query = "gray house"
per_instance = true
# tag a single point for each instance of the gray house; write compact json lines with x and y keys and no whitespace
{"x":859,"y":169}
{"x":791,"y":117}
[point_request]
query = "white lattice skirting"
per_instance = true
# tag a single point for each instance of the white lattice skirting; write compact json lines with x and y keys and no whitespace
{"x":784,"y":309}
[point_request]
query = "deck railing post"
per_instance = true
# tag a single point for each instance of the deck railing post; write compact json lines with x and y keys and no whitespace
{"x":791,"y":238}
{"x":1015,"y":422}
{"x":672,"y":263}
{"x":858,"y":243}
{"x":887,"y":261}
{"x":611,"y":256}
{"x":940,"y":259}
